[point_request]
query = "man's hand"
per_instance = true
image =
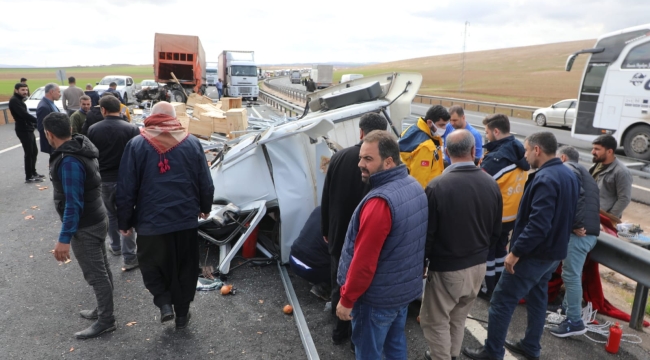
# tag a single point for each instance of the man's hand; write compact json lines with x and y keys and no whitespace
{"x":343,"y":313}
{"x":325,"y":238}
{"x":61,"y":251}
{"x":126,"y":232}
{"x":204,"y":215}
{"x":580,"y":232}
{"x":510,"y":262}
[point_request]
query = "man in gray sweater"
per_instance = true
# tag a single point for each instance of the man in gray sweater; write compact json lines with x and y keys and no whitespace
{"x":71,"y":96}
{"x":613,"y":178}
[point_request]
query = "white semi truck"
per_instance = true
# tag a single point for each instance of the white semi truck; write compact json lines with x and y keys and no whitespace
{"x":211,"y":73}
{"x":239,"y":74}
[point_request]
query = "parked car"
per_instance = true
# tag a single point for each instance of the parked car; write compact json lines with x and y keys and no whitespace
{"x":124,"y":86}
{"x":37,"y":95}
{"x":148,"y":84}
{"x":562,"y":113}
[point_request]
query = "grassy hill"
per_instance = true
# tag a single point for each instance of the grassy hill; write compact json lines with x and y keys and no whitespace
{"x":530,"y":75}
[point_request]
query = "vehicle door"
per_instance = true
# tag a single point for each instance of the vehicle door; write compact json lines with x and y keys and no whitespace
{"x":570,"y":114}
{"x":130,"y":88}
{"x":555,"y":114}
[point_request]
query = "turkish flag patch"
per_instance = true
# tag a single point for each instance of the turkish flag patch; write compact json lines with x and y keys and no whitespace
{"x":424,"y":163}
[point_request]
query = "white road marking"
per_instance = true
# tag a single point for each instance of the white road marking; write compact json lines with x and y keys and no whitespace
{"x":14,"y":147}
{"x":640,"y":187}
{"x":480,"y":334}
{"x":256,"y":113}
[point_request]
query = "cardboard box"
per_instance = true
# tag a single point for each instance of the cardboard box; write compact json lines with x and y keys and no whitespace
{"x":217,"y":117}
{"x":200,"y":128}
{"x":185,"y":122}
{"x":195,"y":99}
{"x":230,"y":103}
{"x":179,"y":108}
{"x":236,"y":120}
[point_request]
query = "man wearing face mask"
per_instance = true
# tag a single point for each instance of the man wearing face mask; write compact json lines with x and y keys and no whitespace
{"x":421,"y":145}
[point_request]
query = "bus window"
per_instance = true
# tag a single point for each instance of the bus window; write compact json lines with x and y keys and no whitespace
{"x":594,"y":78}
{"x":638,"y":58}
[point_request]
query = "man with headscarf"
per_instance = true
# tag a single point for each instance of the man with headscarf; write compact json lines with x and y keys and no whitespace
{"x":163,"y":186}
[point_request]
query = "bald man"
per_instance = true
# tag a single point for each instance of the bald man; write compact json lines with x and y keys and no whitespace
{"x":151,"y":199}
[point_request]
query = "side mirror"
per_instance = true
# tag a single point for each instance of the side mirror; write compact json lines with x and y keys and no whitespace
{"x":96,"y":83}
{"x":553,"y":106}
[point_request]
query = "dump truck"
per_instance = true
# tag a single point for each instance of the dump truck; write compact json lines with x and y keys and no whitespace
{"x":179,"y":62}
{"x":239,"y":74}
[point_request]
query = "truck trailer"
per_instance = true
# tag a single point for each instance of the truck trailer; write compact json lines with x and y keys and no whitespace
{"x":323,"y":76}
{"x":182,"y":55}
{"x":239,"y":74}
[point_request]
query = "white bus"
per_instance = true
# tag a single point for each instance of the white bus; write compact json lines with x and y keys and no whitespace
{"x":615,"y":91}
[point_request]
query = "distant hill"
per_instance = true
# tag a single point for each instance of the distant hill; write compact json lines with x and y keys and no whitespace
{"x":336,"y":64}
{"x":529,"y":75}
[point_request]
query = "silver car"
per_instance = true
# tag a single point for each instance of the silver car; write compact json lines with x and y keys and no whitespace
{"x":562,"y":113}
{"x":33,"y":100}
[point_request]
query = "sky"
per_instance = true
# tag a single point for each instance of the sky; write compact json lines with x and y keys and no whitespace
{"x":56,"y":33}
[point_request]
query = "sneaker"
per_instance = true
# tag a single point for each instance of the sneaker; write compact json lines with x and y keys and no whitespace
{"x":568,"y":328}
{"x":33,"y":180}
{"x":115,"y":252}
{"x":37,"y":175}
{"x":129,"y":267}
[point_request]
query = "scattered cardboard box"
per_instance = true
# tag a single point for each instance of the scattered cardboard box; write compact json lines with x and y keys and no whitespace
{"x":236,"y":120}
{"x":185,"y":122}
{"x":230,"y":103}
{"x":203,"y":108}
{"x":195,"y":99}
{"x":179,"y":108}
{"x":200,"y":128}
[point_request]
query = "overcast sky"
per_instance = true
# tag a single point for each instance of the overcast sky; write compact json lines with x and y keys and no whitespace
{"x":88,"y":32}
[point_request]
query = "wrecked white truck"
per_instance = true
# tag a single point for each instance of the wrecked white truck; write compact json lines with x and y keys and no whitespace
{"x":267,"y":183}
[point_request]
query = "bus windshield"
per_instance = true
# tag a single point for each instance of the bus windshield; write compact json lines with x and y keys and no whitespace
{"x":594,"y":78}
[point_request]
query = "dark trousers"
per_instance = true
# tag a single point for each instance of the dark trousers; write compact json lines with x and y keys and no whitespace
{"x":497,"y":256}
{"x":88,"y":246}
{"x":314,"y":275}
{"x":28,"y":140}
{"x":342,"y":329}
{"x":169,"y":265}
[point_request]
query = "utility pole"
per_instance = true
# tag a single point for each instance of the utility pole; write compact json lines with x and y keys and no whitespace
{"x":462,"y":69}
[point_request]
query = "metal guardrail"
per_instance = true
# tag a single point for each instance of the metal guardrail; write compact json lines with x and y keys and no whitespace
{"x":630,"y":260}
{"x":284,"y":106}
{"x":479,"y":106}
{"x":4,"y":106}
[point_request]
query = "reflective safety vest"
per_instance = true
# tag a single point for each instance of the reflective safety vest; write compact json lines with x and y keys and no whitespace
{"x":421,"y":152}
{"x":511,"y":181}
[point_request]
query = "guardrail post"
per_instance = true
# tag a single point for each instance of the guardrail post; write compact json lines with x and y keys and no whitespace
{"x":638,"y":307}
{"x":4,"y":111}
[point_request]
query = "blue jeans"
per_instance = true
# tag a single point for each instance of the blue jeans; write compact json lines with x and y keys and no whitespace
{"x":377,"y":331}
{"x":577,"y":252}
{"x":117,"y":241}
{"x":530,"y":281}
{"x":220,"y":91}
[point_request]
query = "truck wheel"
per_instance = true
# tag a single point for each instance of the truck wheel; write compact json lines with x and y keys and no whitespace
{"x":254,"y":99}
{"x":178,"y":96}
{"x":540,"y":120}
{"x":637,"y":142}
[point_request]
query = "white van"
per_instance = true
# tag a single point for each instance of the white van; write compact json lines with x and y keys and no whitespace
{"x":348,"y":77}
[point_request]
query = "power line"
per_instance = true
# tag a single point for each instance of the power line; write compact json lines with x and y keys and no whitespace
{"x":462,"y":70}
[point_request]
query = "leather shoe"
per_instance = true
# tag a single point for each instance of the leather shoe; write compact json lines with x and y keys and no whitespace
{"x":95,"y":330}
{"x":516,"y":348}
{"x":477,"y":354}
{"x":89,"y":314}
{"x":183,"y":321}
{"x":37,"y":175}
{"x":166,"y":313}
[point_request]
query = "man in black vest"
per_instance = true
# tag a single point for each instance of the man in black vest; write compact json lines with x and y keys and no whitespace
{"x":74,"y":172}
{"x":342,"y":192}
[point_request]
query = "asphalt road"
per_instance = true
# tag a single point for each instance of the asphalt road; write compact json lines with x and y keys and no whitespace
{"x":41,"y":299}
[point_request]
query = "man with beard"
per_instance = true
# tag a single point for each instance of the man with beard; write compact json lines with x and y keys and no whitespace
{"x":421,"y":145}
{"x":539,"y":242}
{"x":44,"y":108}
{"x":342,"y":191}
{"x":24,"y":127}
{"x":164,"y":185}
{"x":613,"y":178}
{"x":457,"y":121}
{"x":383,"y":251}
{"x":78,"y":118}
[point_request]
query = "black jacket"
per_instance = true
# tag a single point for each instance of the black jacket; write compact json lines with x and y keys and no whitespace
{"x":342,"y":192}
{"x":110,"y":136}
{"x":25,"y":122}
{"x":94,"y":97}
{"x":93,"y":116}
{"x":588,"y":208}
{"x":465,"y":207}
{"x":309,"y":247}
{"x":43,"y":109}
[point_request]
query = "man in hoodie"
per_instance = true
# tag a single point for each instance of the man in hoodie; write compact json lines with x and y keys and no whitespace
{"x":78,"y":118}
{"x":74,"y":171}
{"x":586,"y":228}
{"x":506,"y":163}
{"x":110,"y":136}
{"x":94,"y":95}
{"x":163,"y":186}
{"x":24,"y":127}
{"x":421,"y":145}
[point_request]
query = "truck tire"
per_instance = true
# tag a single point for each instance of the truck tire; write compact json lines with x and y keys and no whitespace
{"x":637,"y":142}
{"x":177,"y":96}
{"x":254,"y":99}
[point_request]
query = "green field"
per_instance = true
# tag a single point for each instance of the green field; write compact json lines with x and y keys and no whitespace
{"x":37,"y":77}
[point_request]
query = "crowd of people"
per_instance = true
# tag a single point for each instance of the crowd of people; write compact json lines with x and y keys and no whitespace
{"x":493,"y":223}
{"x":112,"y":180}
{"x":436,"y":215}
